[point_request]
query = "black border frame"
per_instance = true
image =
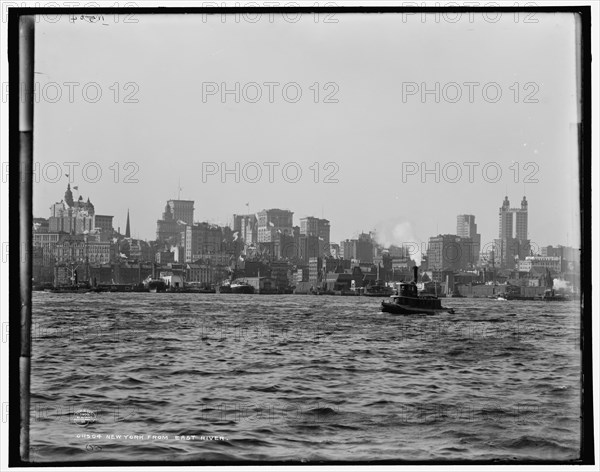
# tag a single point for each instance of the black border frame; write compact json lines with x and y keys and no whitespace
{"x":585,"y":170}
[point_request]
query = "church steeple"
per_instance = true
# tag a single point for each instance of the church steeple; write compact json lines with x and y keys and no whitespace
{"x":127,"y":228}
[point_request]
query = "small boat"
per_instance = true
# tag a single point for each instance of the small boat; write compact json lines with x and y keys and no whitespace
{"x":114,"y":288}
{"x":241,"y":287}
{"x":378,"y":290}
{"x":155,"y":285}
{"x":409,"y":302}
{"x":551,"y":296}
{"x":236,"y":287}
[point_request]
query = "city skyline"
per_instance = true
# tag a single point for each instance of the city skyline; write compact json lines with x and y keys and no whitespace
{"x":182,"y":214}
{"x":384,"y":153}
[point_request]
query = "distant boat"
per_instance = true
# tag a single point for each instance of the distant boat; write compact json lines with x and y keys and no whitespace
{"x":409,"y":302}
{"x":241,"y":287}
{"x":236,"y":287}
{"x":155,"y":285}
{"x":551,"y":296}
{"x":378,"y":290}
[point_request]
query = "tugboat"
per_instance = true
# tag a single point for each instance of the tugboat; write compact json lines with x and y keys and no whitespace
{"x":235,"y":286}
{"x":551,"y":296}
{"x":155,"y":285}
{"x":241,"y":287}
{"x":409,"y":302}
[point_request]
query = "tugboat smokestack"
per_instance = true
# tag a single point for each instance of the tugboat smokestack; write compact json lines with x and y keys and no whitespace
{"x":415,"y":273}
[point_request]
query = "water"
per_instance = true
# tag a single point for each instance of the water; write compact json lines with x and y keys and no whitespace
{"x":301,"y":378}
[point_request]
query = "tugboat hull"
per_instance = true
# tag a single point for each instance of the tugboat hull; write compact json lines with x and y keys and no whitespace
{"x":395,"y":308}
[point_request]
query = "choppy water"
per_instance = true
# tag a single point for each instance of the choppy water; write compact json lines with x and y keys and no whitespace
{"x":301,"y":378}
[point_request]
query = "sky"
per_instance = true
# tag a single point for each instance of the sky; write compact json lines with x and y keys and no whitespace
{"x":360,"y":133}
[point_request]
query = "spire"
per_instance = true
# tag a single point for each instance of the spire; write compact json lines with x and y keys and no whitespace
{"x":127,"y":228}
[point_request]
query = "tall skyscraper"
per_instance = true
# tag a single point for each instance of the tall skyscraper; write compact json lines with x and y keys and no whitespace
{"x":364,"y":248}
{"x":505,"y":220}
{"x":180,"y":210}
{"x":509,"y":245}
{"x":274,"y":222}
{"x":177,"y":214}
{"x":247,"y":228}
{"x":521,"y":233}
{"x":465,"y":226}
{"x":450,"y":252}
{"x":319,"y":228}
{"x":276,"y":234}
{"x":466,"y":229}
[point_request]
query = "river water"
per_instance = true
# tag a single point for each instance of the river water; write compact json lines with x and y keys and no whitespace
{"x":218,"y":377}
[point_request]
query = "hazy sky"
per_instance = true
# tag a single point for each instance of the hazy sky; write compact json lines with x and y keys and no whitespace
{"x":372,"y":134}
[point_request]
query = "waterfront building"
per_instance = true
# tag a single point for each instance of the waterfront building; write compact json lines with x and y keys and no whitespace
{"x":315,"y":267}
{"x":81,"y":248}
{"x":570,"y":256}
{"x":172,"y":279}
{"x":540,"y":263}
{"x":280,"y":275}
{"x":47,"y":244}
